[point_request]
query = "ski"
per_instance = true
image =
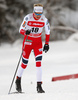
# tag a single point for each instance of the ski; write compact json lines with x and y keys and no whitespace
{"x":17,"y":93}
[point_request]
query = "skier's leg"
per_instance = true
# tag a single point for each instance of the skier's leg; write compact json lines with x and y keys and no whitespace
{"x":39,"y":74}
{"x":25,"y":57}
{"x":38,"y":68}
{"x":22,"y":67}
{"x":38,"y":58}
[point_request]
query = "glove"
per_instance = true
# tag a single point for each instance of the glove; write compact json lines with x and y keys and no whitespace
{"x":27,"y":32}
{"x":46,"y":48}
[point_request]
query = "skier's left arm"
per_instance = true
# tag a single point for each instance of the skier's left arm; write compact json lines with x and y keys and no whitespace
{"x":47,"y":35}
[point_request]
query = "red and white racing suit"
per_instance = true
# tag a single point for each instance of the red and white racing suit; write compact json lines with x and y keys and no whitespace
{"x":33,"y":41}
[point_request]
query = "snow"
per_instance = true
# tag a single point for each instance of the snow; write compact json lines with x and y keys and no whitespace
{"x":62,"y":59}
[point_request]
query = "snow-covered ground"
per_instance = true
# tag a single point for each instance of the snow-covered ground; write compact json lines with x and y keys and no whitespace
{"x":62,"y":59}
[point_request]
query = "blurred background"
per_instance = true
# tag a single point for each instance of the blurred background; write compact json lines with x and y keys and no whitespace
{"x":62,"y":16}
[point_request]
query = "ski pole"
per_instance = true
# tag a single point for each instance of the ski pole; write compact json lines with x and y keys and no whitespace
{"x":17,"y":67}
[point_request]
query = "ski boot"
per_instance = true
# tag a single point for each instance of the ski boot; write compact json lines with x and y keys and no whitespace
{"x":18,"y":84}
{"x":39,"y":88}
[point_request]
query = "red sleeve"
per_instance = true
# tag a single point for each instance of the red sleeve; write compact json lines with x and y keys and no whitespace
{"x":22,"y":32}
{"x":47,"y":39}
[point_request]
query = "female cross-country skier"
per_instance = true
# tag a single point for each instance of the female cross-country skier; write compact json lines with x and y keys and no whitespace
{"x":31,"y":28}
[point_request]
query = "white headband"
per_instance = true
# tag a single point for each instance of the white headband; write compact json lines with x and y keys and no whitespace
{"x":38,"y":9}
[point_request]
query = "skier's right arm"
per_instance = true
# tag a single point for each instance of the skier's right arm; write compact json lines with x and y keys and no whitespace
{"x":23,"y":26}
